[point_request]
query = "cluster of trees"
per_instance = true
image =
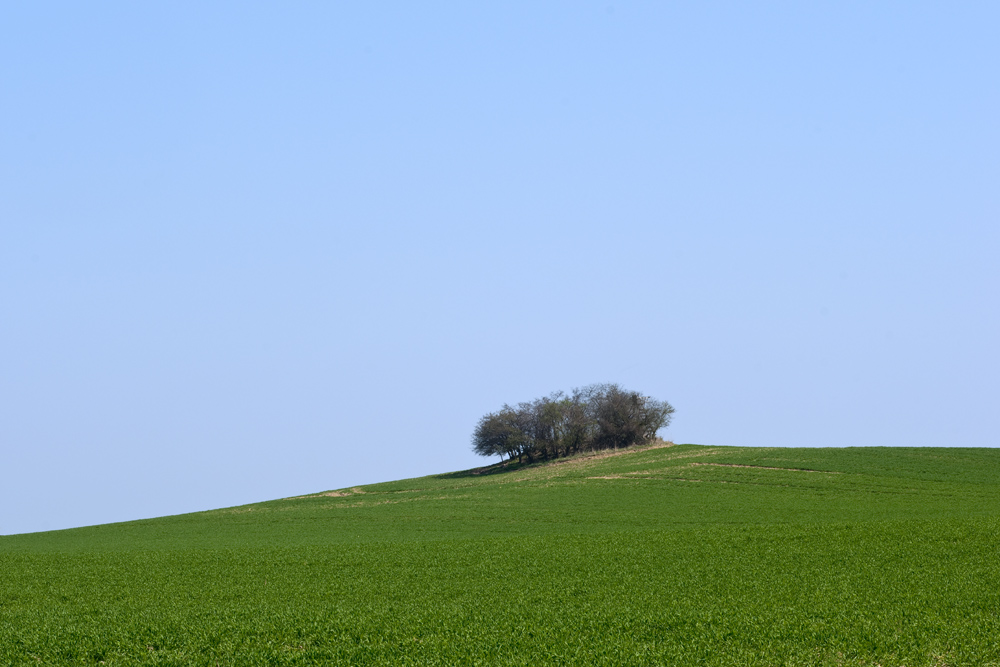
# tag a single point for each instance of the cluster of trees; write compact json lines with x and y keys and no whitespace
{"x":601,"y":416}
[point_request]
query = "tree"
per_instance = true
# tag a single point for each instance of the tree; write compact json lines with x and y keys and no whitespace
{"x":626,"y":418}
{"x":578,"y":423}
{"x":500,"y":433}
{"x":548,"y":425}
{"x":601,"y":416}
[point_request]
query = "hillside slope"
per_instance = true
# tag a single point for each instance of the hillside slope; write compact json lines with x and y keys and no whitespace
{"x":678,"y":554}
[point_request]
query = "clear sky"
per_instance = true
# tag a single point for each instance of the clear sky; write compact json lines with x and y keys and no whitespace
{"x":253,"y":250}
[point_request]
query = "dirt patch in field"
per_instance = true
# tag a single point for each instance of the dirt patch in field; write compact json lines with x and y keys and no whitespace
{"x":582,"y":460}
{"x":357,"y":490}
{"x":743,"y":465}
{"x":390,"y":501}
{"x":607,"y":453}
{"x":708,"y":451}
{"x":635,"y":477}
{"x":554,"y":469}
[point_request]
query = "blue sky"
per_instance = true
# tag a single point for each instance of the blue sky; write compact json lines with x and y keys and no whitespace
{"x":256,"y":250}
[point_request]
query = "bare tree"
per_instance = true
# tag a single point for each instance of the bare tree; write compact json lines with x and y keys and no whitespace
{"x":548,"y":425}
{"x":579,"y":427}
{"x":626,"y":418}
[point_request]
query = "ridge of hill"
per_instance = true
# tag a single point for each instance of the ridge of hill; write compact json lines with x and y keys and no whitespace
{"x":655,"y":486}
{"x":666,"y":554}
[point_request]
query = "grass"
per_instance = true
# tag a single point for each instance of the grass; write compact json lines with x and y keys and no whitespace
{"x":680,"y":555}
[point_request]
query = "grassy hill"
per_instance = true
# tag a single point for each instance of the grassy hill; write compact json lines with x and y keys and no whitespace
{"x":672,"y":555}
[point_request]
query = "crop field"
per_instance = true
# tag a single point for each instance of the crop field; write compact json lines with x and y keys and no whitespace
{"x":665,"y":555}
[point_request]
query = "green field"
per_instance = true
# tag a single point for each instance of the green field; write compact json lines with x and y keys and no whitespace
{"x":670,"y":555}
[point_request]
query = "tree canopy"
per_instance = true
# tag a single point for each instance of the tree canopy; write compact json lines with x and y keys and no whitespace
{"x":601,"y":416}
